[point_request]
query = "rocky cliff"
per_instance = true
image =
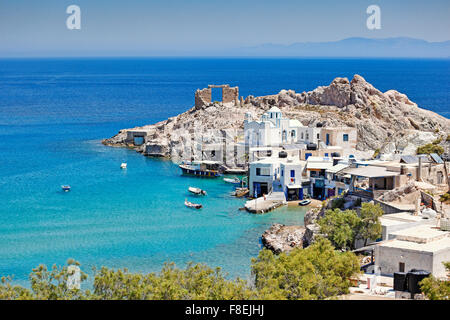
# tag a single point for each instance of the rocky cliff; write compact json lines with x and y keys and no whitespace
{"x":387,"y":121}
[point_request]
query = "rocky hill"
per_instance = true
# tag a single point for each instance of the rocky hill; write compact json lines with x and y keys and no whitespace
{"x":386,"y":121}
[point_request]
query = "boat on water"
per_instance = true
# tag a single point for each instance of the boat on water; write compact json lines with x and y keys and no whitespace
{"x":304,"y":202}
{"x":234,"y":180}
{"x":206,"y":169}
{"x":65,"y":188}
{"x":192,"y":205}
{"x":197,"y":191}
{"x":123,"y":165}
{"x":240,"y":192}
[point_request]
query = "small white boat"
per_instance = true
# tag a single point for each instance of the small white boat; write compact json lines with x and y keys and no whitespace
{"x":304,"y":202}
{"x":123,"y":165}
{"x":232,"y":180}
{"x":192,"y":205}
{"x":65,"y":188}
{"x":197,"y":191}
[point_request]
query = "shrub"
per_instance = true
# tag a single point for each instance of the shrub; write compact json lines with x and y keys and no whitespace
{"x":317,"y":272}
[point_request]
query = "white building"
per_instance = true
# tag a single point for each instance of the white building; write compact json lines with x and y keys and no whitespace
{"x":262,"y":174}
{"x":277,"y":175}
{"x":272,"y":129}
{"x":293,"y":184}
{"x":421,"y":247}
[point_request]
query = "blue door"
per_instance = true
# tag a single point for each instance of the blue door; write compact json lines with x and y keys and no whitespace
{"x":307,"y":155}
{"x":300,"y":194}
{"x":328,"y":139}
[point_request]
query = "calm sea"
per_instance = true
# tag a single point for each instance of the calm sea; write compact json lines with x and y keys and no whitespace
{"x":54,"y":112}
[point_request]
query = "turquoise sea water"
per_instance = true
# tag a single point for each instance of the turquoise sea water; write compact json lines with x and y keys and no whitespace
{"x":54,"y":113}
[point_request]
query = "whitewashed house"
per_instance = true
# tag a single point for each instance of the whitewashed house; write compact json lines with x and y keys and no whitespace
{"x":271,"y":130}
{"x":275,"y":130}
{"x":262,"y":175}
{"x":293,"y":185}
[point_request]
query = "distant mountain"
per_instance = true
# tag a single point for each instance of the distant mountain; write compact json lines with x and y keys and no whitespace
{"x":353,"y":47}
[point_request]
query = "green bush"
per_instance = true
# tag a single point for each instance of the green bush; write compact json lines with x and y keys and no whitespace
{"x":435,"y":289}
{"x":317,"y":272}
{"x":430,"y":148}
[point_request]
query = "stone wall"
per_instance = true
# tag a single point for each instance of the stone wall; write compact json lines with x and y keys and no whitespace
{"x":203,"y":96}
{"x":230,"y":95}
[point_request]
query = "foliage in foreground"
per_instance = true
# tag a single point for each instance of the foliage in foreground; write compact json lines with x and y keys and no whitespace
{"x":317,"y":272}
{"x":435,"y":289}
{"x":343,"y":228}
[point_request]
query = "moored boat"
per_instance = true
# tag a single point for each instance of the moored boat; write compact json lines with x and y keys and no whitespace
{"x":304,"y":202}
{"x":207,"y":169}
{"x":240,"y":192}
{"x":192,"y":205}
{"x":123,"y":165}
{"x":234,"y":180}
{"x":197,"y":191}
{"x":65,"y":188}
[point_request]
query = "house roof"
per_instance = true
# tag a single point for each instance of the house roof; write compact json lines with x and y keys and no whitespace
{"x":409,"y":159}
{"x":295,"y":123}
{"x":274,"y":109}
{"x":435,"y":157}
{"x":319,"y":165}
{"x":371,"y":172}
{"x":337,"y":168}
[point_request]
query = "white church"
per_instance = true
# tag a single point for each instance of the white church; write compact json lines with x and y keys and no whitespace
{"x":274,"y":130}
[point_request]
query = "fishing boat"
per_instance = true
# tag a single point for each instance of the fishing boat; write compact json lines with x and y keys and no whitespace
{"x":192,"y":205}
{"x":197,"y":191}
{"x":65,"y":188}
{"x":206,"y":169}
{"x":123,"y":165}
{"x":234,"y":180}
{"x":304,"y":202}
{"x":240,"y":192}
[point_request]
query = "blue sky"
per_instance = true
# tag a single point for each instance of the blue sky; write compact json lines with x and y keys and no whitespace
{"x":152,"y":27}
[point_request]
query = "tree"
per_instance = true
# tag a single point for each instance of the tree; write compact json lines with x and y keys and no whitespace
{"x":435,"y":289}
{"x":45,"y":285}
{"x":317,"y":272}
{"x":196,"y":282}
{"x":433,"y":147}
{"x":340,"y":227}
{"x":370,"y":226}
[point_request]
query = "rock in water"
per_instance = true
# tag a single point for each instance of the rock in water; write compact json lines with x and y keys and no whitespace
{"x":280,"y":238}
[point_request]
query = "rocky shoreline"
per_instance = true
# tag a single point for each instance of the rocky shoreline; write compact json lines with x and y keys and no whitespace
{"x":281,"y":238}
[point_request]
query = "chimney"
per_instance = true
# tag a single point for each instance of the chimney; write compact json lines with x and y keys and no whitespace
{"x":419,"y":173}
{"x":403,"y":169}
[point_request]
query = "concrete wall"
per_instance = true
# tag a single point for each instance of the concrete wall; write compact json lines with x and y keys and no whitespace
{"x":388,"y":259}
{"x":438,"y":266}
{"x":336,"y":137}
{"x":388,"y":209}
{"x":132,"y":134}
{"x":286,"y":178}
{"x":262,"y":179}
